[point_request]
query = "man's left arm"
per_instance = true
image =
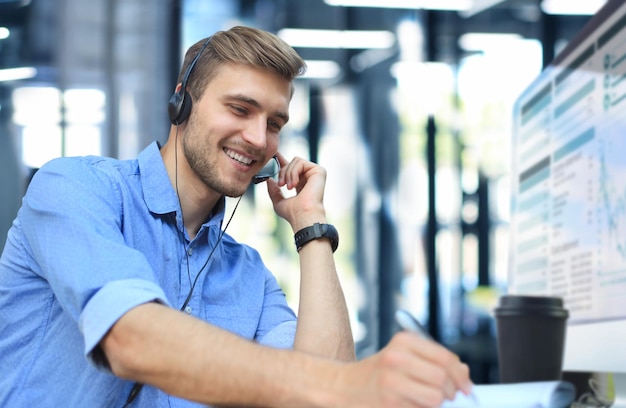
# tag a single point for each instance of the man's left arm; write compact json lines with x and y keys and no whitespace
{"x":323,"y":321}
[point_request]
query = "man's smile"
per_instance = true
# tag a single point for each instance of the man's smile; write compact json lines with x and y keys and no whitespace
{"x":246,"y":161}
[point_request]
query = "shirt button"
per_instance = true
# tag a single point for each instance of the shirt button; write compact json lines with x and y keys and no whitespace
{"x":190,"y":251}
{"x":188,"y":310}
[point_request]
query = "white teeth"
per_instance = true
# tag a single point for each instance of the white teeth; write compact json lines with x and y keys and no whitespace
{"x":238,"y":157}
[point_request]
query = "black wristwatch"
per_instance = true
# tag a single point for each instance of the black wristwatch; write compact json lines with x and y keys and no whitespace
{"x":317,"y":231}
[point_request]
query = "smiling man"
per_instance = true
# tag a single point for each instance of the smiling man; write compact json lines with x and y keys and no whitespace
{"x":119,"y":286}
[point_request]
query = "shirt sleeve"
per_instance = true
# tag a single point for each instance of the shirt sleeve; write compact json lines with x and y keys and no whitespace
{"x":72,"y":224}
{"x":277,"y":327}
{"x":281,"y":336}
{"x":110,"y":303}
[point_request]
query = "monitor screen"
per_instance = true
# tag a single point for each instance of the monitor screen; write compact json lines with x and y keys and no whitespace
{"x":568,"y":219}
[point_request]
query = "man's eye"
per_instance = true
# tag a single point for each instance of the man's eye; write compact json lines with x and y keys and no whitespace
{"x":239,"y":109}
{"x":274,"y":126}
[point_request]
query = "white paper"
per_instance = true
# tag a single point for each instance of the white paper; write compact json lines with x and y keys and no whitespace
{"x":544,"y":394}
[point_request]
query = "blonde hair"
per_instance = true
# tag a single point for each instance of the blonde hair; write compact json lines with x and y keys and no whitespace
{"x":241,"y":45}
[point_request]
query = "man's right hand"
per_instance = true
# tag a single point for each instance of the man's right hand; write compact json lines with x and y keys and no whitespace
{"x":409,"y":372}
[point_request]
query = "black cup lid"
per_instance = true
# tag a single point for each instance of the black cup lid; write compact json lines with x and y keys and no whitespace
{"x":514,"y":305}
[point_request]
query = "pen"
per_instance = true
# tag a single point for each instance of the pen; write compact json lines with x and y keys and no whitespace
{"x":409,"y":323}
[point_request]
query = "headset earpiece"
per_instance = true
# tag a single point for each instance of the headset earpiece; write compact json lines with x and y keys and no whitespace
{"x":179,"y":105}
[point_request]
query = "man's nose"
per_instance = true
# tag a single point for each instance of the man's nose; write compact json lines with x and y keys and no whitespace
{"x":256,"y":133}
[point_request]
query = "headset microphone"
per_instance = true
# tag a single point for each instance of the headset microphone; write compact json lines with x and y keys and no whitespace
{"x":270,"y":170}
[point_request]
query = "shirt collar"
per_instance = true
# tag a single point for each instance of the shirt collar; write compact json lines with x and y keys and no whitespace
{"x":158,"y":192}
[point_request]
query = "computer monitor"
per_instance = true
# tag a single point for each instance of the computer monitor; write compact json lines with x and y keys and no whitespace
{"x":568,"y":219}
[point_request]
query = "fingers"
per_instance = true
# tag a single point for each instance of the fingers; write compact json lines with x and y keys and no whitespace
{"x":274,"y":191}
{"x":431,"y":366}
{"x":295,"y":173}
{"x":456,"y":372}
{"x":304,"y":203}
{"x":415,"y":382}
{"x":404,"y":391}
{"x":289,"y":175}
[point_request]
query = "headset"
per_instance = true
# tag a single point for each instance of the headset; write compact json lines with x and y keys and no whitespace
{"x":179,"y":105}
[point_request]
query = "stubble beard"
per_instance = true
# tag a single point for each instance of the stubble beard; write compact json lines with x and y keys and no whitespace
{"x":197,"y":154}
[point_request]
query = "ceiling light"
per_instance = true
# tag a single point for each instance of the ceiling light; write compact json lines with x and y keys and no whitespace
{"x":571,"y":7}
{"x":321,"y":69}
{"x":483,"y":41}
{"x":4,"y":33}
{"x":479,"y":6}
{"x":308,"y":38}
{"x":369,"y":58}
{"x":14,"y":74}
{"x":457,"y":5}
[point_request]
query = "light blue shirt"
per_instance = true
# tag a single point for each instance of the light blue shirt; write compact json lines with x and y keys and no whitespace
{"x":94,"y":238}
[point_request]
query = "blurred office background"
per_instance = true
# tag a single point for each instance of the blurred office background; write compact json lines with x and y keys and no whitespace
{"x":407,"y":103}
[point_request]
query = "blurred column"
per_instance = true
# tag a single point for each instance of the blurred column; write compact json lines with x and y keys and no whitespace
{"x":548,"y":37}
{"x":11,"y":185}
{"x":315,"y":122}
{"x":432,"y":228}
{"x":378,"y":253}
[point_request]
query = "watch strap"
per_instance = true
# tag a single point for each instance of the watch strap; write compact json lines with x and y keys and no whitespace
{"x":317,"y":231}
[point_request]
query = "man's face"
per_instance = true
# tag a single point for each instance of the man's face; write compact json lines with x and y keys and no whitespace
{"x":234,"y":128}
